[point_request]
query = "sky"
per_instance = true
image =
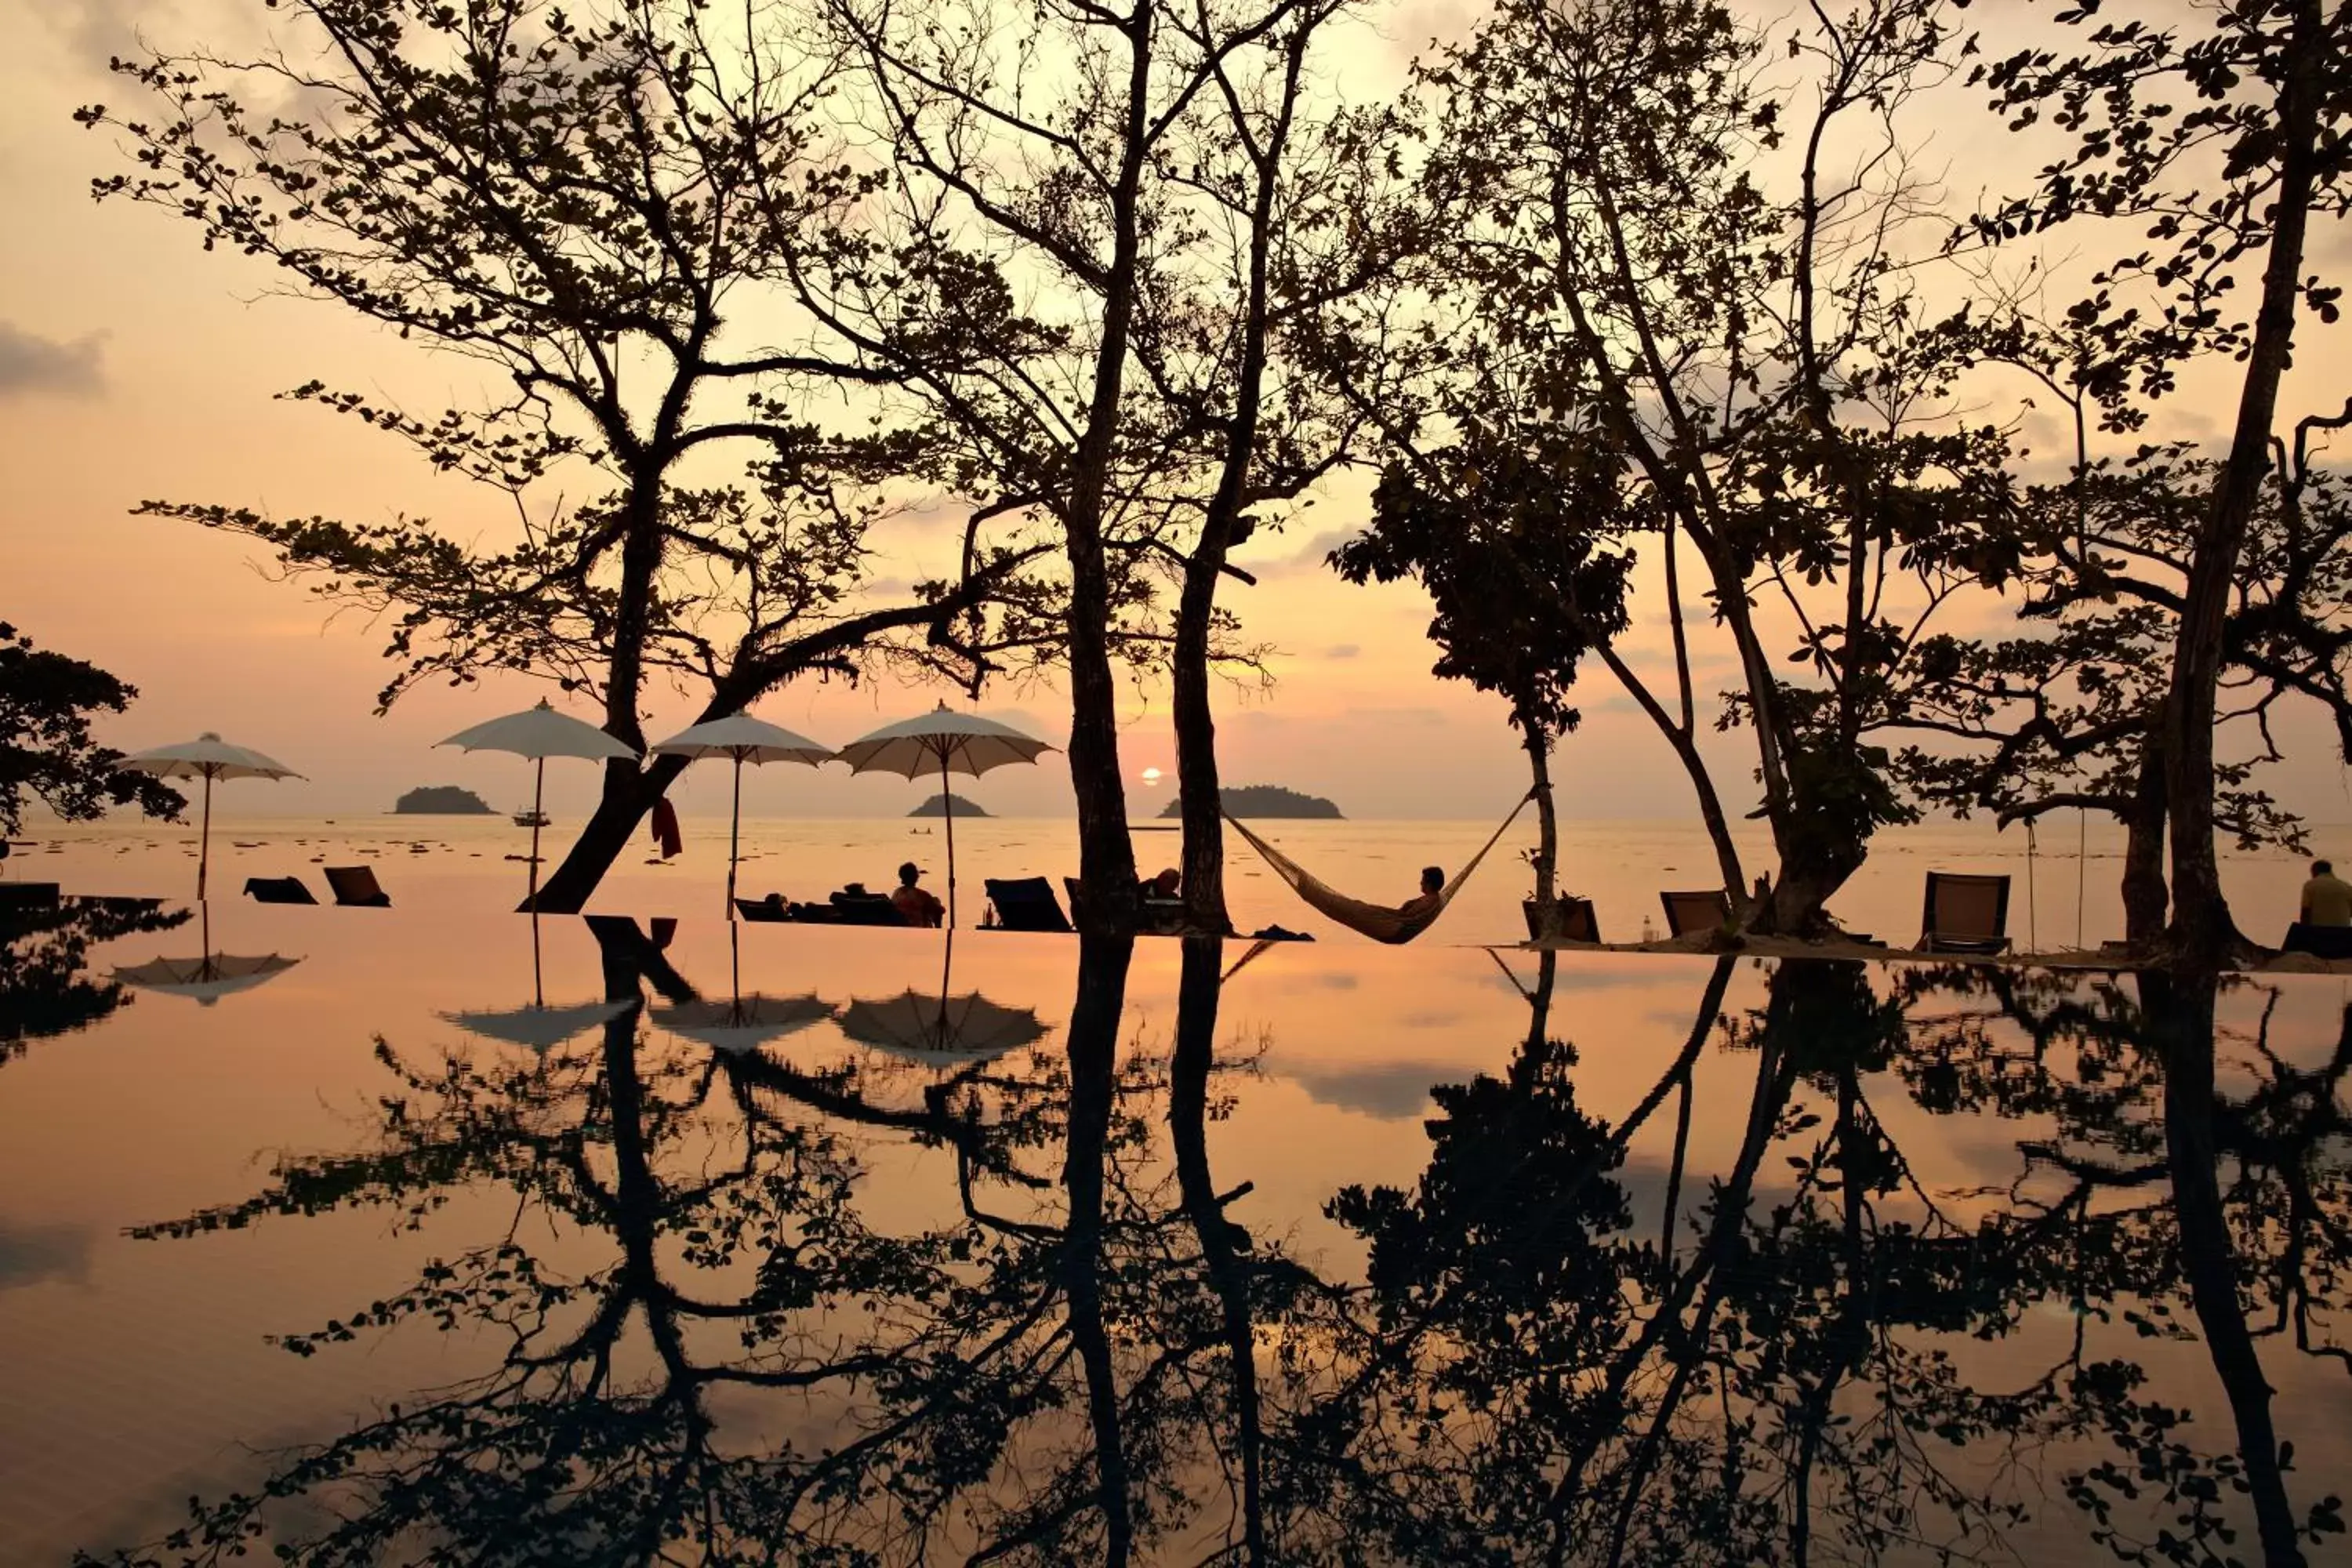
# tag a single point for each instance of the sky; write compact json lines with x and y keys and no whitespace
{"x":135,"y":366}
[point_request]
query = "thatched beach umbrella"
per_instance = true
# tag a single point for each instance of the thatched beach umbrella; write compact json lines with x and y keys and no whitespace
{"x":207,"y":757}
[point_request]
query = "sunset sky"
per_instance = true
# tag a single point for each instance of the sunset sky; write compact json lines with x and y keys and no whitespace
{"x":133,"y":365}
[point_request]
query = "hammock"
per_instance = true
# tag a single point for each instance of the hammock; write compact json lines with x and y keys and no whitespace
{"x":1381,"y":923}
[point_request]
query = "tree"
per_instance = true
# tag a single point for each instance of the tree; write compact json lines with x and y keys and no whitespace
{"x":1617,"y":246}
{"x":1519,"y":600}
{"x":47,"y":751}
{"x":588,"y":205}
{"x":2211,"y":142}
{"x":2071,"y":713}
{"x":1078,"y":276}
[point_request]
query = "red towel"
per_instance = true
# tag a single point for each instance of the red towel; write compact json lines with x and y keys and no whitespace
{"x":665,"y":832}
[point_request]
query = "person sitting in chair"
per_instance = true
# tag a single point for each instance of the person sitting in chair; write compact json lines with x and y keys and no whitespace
{"x":1424,"y":906}
{"x":913,"y":904}
{"x":1169,"y":884}
{"x":2327,"y":898}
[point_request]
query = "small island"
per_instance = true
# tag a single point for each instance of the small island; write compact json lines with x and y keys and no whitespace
{"x":937,"y":806}
{"x":1265,"y":800}
{"x":441,"y":800}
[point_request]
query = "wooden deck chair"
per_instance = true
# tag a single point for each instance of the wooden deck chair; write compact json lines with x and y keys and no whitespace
{"x":1025,"y":903}
{"x":1965,"y":913}
{"x":858,"y":907}
{"x":355,"y":887}
{"x":278,"y":890}
{"x":1709,"y":910}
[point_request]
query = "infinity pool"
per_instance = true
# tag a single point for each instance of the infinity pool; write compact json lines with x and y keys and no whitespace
{"x":386,"y":1237}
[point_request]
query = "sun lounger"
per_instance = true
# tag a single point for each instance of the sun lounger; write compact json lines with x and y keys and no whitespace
{"x":1576,"y":918}
{"x":355,"y":887}
{"x":1687,"y":912}
{"x":1965,"y":913}
{"x":278,"y":890}
{"x":856,"y":907}
{"x":2320,"y":942}
{"x":1025,"y":903}
{"x":772,"y":908}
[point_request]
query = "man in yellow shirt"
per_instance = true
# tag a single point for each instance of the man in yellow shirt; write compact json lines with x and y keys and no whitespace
{"x":2327,"y":898}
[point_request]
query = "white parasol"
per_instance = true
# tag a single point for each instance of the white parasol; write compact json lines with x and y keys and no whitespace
{"x":742,"y":739}
{"x":540,"y":732}
{"x":207,"y":757}
{"x":943,"y":741}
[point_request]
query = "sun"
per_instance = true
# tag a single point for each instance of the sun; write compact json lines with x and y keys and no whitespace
{"x":1151,"y":778}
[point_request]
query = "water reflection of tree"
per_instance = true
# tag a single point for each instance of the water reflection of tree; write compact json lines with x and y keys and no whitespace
{"x":1092,"y":1359}
{"x":1015,"y":1384}
{"x":1544,"y":1383}
{"x":45,"y":986}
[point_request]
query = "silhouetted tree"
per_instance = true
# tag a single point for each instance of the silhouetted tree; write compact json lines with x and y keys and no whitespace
{"x":47,"y":751}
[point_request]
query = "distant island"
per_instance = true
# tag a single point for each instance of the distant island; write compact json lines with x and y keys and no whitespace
{"x":1265,"y":800}
{"x":442,"y":800}
{"x":937,"y":806}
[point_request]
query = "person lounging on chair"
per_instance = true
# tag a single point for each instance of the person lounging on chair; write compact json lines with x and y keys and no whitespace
{"x":763,"y":910}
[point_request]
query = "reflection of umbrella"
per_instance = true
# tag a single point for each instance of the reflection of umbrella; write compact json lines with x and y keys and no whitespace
{"x":738,"y":1025}
{"x":742,"y":1023}
{"x":541,"y":1028}
{"x":207,"y":757}
{"x":208,"y":979}
{"x":210,"y":975}
{"x":538,"y":1025}
{"x":538,"y":733}
{"x":941,"y":1031}
{"x":745,"y":740}
{"x":948,"y":742}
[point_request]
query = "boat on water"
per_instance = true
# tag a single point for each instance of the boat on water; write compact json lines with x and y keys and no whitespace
{"x":533,"y":818}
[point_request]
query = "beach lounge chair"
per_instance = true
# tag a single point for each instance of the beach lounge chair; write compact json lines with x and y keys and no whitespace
{"x":278,"y":890}
{"x":1687,"y":912}
{"x":772,"y":908}
{"x":355,"y":887}
{"x":1578,"y":921}
{"x":2320,"y":942}
{"x":856,"y":907}
{"x":1965,"y":913}
{"x":1025,"y":903}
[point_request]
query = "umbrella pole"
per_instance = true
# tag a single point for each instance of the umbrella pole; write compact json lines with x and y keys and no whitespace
{"x":538,"y":795}
{"x":947,"y":804}
{"x":205,"y":839}
{"x":537,"y":981}
{"x":734,"y":836}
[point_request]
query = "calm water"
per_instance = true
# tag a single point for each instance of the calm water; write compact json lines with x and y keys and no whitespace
{"x":436,"y":1235}
{"x":459,"y":862}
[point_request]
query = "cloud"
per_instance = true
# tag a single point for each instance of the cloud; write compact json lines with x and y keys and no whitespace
{"x":1342,"y":650}
{"x":95,"y":31}
{"x":1391,"y":1092}
{"x":32,"y":365}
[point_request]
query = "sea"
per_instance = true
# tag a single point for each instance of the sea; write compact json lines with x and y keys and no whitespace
{"x":442,"y":1234}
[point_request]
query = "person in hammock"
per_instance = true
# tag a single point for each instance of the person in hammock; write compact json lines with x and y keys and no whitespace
{"x":1425,"y":906}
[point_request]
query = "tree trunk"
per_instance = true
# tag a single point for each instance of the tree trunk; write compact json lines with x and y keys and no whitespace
{"x":2182,"y":1016}
{"x":2202,"y":932}
{"x":1686,"y":749}
{"x":1200,"y":789}
{"x":630,"y":792}
{"x":1537,"y":743}
{"x":1813,"y":867}
{"x":2144,"y":896}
